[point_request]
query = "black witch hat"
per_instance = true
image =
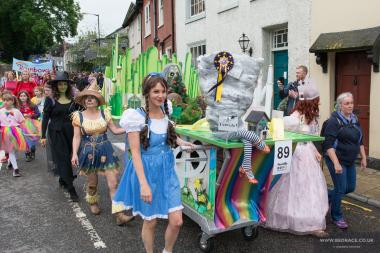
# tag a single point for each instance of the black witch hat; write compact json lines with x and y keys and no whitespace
{"x":61,"y":76}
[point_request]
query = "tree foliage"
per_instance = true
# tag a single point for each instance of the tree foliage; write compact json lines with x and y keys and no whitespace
{"x":32,"y":26}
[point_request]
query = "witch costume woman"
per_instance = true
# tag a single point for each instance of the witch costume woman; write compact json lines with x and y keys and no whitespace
{"x":57,"y":119}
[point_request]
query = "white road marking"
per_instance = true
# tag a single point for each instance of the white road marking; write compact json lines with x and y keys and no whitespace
{"x":86,"y":224}
{"x":2,"y":154}
{"x":120,"y":145}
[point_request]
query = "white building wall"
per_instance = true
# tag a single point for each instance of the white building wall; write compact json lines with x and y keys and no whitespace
{"x":67,"y":57}
{"x":222,"y":27}
{"x":134,"y":35}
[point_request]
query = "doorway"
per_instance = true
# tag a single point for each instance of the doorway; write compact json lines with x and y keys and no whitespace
{"x":280,"y":69}
{"x":353,"y":74}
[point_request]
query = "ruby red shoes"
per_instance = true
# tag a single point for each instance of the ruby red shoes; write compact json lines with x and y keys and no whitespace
{"x":249,"y":175}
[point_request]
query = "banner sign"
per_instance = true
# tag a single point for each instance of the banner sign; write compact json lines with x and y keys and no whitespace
{"x":38,"y":68}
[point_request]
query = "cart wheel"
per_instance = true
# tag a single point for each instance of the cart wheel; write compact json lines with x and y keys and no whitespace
{"x":250,"y":232}
{"x":206,"y":243}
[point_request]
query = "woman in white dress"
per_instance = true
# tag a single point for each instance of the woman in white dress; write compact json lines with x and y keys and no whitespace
{"x":298,"y":202}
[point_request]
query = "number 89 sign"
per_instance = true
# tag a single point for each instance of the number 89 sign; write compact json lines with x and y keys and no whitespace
{"x":282,"y":157}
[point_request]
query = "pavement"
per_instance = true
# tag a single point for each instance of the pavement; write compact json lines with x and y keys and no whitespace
{"x":367,"y":185}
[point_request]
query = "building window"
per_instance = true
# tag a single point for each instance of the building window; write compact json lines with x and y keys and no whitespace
{"x":161,"y":13}
{"x":196,"y":7}
{"x":280,"y":38}
{"x":147,"y":20}
{"x":197,"y":50}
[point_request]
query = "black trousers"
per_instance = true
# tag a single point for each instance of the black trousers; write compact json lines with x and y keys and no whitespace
{"x":61,"y":149}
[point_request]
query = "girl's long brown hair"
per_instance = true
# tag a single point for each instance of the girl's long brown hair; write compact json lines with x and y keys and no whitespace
{"x":28,"y":101}
{"x":149,"y":83}
{"x":309,"y":108}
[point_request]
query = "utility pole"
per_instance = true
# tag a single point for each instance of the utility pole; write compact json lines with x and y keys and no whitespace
{"x":97,"y":15}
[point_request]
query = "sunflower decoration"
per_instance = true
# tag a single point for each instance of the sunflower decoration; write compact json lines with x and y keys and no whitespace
{"x":202,"y":198}
{"x":223,"y":63}
{"x":202,"y":203}
{"x":197,"y":185}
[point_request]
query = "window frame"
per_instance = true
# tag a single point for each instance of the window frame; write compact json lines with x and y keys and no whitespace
{"x":195,"y":17}
{"x":160,"y":13}
{"x":200,"y":48}
{"x":196,"y":4}
{"x":147,"y":20}
{"x":275,"y":35}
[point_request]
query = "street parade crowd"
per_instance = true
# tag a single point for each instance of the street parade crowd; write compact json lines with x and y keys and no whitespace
{"x":62,"y":112}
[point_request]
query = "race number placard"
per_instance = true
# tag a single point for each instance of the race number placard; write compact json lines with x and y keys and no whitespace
{"x":282,"y":157}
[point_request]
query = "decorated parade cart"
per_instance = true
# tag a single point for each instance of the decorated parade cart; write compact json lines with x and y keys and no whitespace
{"x":211,"y":102}
{"x":213,"y":193}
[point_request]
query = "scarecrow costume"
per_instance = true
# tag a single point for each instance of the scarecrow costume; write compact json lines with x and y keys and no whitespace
{"x":95,"y":153}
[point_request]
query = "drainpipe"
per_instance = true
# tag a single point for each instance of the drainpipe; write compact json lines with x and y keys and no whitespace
{"x":173,"y":29}
{"x":156,"y":39}
{"x":141,"y":32}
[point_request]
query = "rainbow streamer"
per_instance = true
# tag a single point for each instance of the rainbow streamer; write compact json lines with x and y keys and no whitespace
{"x":13,"y":138}
{"x":236,"y":198}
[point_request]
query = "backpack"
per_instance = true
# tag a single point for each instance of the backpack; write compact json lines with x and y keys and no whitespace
{"x":342,"y":124}
{"x":324,"y":125}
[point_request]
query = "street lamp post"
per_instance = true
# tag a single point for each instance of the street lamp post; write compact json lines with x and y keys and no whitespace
{"x":86,"y":13}
{"x":97,"y":15}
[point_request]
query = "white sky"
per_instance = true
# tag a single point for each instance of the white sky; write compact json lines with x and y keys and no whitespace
{"x":111,"y":15}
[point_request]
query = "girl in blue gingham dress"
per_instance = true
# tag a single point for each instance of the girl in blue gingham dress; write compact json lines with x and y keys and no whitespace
{"x":158,"y":161}
{"x":150,"y":186}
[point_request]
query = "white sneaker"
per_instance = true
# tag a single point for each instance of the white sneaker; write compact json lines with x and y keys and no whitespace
{"x":16,"y":173}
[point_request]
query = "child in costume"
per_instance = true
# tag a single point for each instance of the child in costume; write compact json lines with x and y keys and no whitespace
{"x":150,"y":186}
{"x":298,"y":202}
{"x":96,"y":155}
{"x":31,"y":126}
{"x":39,"y":98}
{"x":11,"y":82}
{"x":12,"y":138}
{"x":5,"y":158}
